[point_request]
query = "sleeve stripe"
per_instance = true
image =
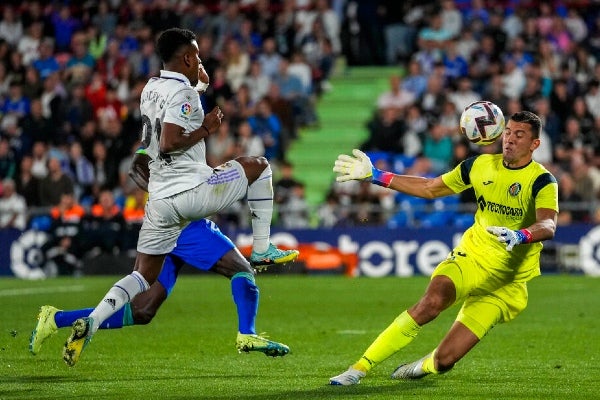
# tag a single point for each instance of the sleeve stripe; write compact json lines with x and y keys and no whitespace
{"x":541,"y":182}
{"x":465,"y":169}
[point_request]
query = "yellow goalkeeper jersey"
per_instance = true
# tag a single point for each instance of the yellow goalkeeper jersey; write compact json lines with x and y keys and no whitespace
{"x":505,"y":197}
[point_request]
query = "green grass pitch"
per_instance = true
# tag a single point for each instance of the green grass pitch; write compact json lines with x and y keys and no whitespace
{"x":551,"y":351}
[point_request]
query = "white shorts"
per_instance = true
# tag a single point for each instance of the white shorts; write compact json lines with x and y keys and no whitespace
{"x":165,"y":218}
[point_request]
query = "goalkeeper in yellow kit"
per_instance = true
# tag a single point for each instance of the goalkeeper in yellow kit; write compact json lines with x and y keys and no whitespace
{"x":488,"y":271}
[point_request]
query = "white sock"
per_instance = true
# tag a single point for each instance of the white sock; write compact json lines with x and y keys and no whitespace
{"x":121,"y":293}
{"x":260,"y":201}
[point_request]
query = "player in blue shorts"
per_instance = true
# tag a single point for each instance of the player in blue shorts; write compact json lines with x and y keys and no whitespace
{"x":201,"y":245}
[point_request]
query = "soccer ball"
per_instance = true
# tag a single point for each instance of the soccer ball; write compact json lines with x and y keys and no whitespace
{"x":482,"y":122}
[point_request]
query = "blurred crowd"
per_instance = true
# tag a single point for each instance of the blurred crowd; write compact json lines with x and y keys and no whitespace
{"x":71,"y":74}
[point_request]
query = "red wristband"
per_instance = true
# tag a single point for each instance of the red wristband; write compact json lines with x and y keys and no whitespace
{"x":381,"y":178}
{"x":528,"y":235}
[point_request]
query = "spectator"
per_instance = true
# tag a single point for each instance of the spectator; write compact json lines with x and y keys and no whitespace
{"x":396,"y":97}
{"x":65,"y":26}
{"x":66,"y":245}
{"x":248,"y":144}
{"x":105,"y":19}
{"x":285,"y":112}
{"x":29,"y":44}
{"x":433,"y":99}
{"x":13,"y":208}
{"x":55,"y":184}
{"x":236,"y":63}
{"x":76,"y":110}
{"x":464,"y":94}
{"x":269,"y":58}
{"x":110,"y":63}
{"x":586,"y":176}
{"x":513,"y":79}
{"x":570,"y":202}
{"x":257,"y":83}
{"x":330,"y":213}
{"x":81,"y":171}
{"x":227,"y":24}
{"x":386,"y":131}
{"x":80,"y":65}
{"x":11,"y":28}
{"x":295,"y":210}
{"x":32,"y":86}
{"x":283,"y":186}
{"x":267,"y":126}
{"x":437,"y":147}
{"x":8,"y":164}
{"x":452,"y":19}
{"x":53,"y":95}
{"x":104,"y":225}
{"x":415,"y":81}
{"x":46,"y":64}
{"x":16,"y":103}
{"x":198,"y":20}
{"x":292,"y":89}
{"x":39,"y":161}
{"x":145,"y":61}
{"x":456,"y":66}
{"x":105,"y":170}
{"x":220,"y":147}
{"x":27,"y":185}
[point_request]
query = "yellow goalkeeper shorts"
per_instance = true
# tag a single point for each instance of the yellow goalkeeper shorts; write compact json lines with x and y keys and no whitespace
{"x":488,"y":298}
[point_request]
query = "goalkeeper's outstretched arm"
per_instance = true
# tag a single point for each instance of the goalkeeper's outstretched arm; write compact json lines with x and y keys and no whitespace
{"x":359,"y":167}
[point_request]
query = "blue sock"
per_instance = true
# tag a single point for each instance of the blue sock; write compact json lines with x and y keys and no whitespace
{"x":119,"y":319}
{"x":245,"y":297}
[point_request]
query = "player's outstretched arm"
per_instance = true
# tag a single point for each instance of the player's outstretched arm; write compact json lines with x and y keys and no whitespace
{"x":359,"y":167}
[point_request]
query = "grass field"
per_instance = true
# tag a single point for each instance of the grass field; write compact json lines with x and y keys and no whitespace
{"x":551,"y":351}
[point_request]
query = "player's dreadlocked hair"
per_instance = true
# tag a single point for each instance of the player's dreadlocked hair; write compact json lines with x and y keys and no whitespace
{"x":530,"y":118}
{"x":171,"y":40}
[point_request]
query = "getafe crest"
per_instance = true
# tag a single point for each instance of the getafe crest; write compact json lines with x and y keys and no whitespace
{"x":514,"y":189}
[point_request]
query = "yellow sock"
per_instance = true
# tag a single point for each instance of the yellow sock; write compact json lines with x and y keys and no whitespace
{"x":400,"y":333}
{"x":429,"y":364}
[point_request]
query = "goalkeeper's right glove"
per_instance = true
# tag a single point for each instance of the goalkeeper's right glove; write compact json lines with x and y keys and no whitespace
{"x":360,"y":168}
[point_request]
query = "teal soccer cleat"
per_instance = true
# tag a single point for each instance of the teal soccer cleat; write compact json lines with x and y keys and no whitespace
{"x":272,"y":256}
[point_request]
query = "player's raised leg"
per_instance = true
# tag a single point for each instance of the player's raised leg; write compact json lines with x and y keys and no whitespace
{"x":260,"y":200}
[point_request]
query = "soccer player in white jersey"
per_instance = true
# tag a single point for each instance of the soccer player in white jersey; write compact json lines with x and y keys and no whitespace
{"x":488,"y":271}
{"x":201,"y":245}
{"x":182,"y":186}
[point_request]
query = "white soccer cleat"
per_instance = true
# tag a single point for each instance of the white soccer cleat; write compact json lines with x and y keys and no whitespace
{"x":413,"y":370}
{"x":347,"y":378}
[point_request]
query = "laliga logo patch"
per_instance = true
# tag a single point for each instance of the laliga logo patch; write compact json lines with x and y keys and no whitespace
{"x":514,"y":189}
{"x":186,"y":109}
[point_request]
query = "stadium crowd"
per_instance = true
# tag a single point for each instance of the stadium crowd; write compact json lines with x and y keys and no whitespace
{"x":71,"y":75}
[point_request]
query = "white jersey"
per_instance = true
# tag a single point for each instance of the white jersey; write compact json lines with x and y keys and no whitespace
{"x":171,"y":98}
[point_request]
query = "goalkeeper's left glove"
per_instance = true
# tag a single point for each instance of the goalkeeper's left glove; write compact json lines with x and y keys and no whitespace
{"x":360,"y":168}
{"x":510,"y":237}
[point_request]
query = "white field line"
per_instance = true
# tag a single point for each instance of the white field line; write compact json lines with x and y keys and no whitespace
{"x":30,"y":291}
{"x":352,"y":332}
